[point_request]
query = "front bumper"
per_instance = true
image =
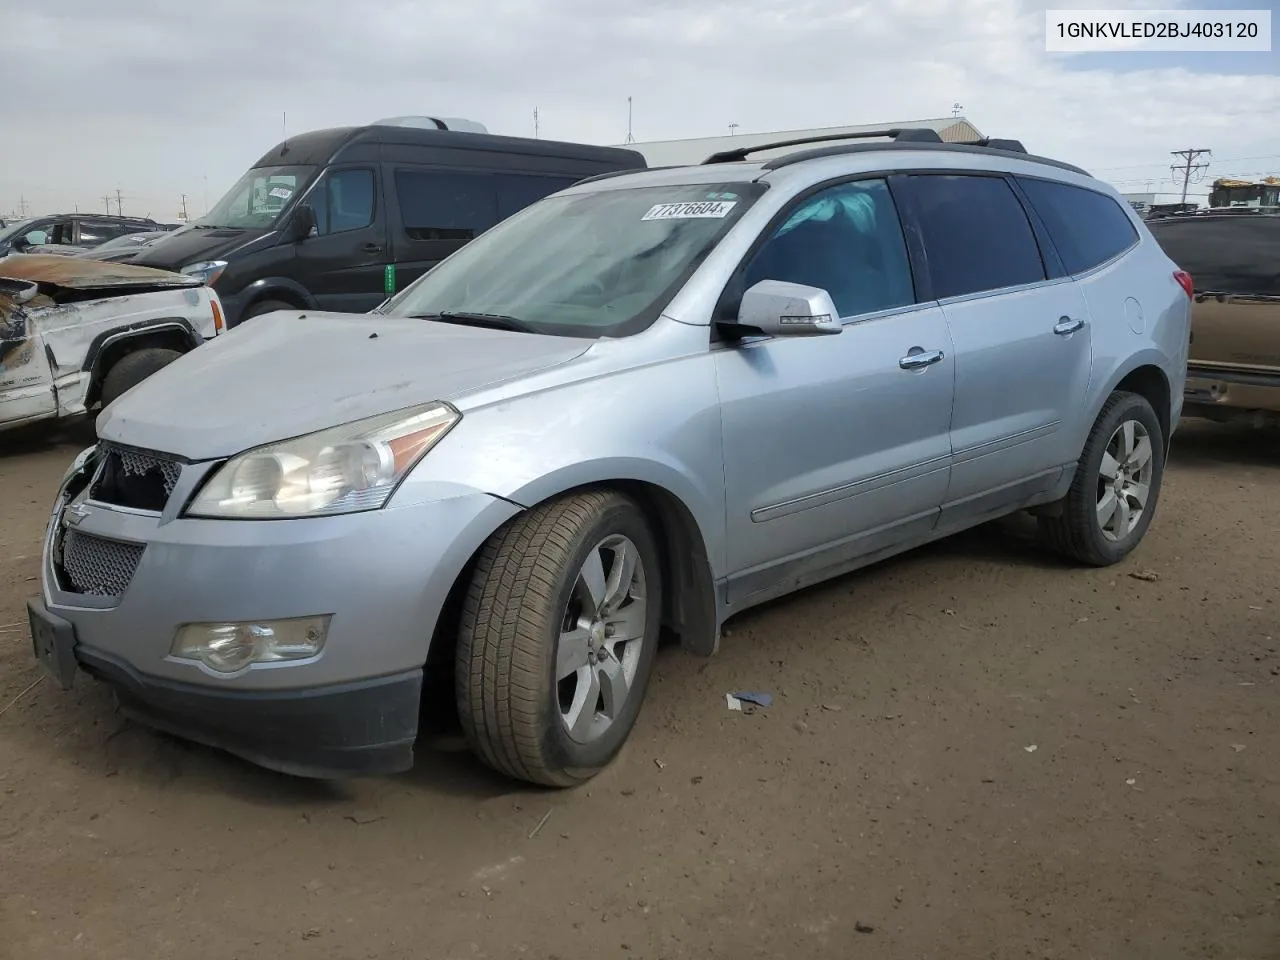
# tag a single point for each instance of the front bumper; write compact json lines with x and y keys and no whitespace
{"x":355,"y":729}
{"x":382,"y":576}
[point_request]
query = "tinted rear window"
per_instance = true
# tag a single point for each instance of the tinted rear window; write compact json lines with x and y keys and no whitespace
{"x":1228,"y":254}
{"x":446,"y":205}
{"x":976,"y":235}
{"x":1087,"y":227}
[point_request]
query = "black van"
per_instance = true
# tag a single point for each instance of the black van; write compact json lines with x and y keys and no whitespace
{"x":341,"y":219}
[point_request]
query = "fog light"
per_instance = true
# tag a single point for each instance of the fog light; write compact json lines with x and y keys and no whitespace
{"x":230,"y":647}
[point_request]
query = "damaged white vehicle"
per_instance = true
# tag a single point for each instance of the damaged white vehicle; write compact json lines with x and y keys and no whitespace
{"x":76,"y":334}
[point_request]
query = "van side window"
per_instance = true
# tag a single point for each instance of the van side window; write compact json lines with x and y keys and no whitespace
{"x":440,"y":205}
{"x":519,"y":190}
{"x":347,"y":202}
{"x":846,"y":240}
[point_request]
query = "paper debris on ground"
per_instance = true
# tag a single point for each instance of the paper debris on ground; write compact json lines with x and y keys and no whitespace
{"x":732,"y":702}
{"x":760,"y":699}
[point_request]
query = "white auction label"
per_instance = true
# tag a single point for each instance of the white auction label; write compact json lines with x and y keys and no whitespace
{"x":1135,"y":31}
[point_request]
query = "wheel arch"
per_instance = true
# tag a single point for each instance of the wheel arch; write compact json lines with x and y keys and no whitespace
{"x":1145,"y":375}
{"x":272,"y":288}
{"x":689,"y":594}
{"x":109,"y":348}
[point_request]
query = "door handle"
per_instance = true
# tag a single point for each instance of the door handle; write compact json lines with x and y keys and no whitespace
{"x":372,"y":247}
{"x":918,"y":358}
{"x":1067,"y":325}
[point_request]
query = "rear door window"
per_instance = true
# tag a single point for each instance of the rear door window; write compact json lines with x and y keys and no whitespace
{"x":976,"y":235}
{"x":1088,"y":228}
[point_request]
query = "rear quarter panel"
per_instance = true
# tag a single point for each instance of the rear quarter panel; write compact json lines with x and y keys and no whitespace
{"x":1140,"y":317}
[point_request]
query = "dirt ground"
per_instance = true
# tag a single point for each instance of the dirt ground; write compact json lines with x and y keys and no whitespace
{"x":974,"y":752}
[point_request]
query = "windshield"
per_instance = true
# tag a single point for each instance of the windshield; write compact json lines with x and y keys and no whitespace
{"x":258,"y":198}
{"x":587,"y":265}
{"x":11,"y":231}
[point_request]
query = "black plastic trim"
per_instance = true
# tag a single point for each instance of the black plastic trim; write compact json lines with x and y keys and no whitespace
{"x":108,"y":337}
{"x":898,"y":134}
{"x":970,"y":149}
{"x":363,"y":728}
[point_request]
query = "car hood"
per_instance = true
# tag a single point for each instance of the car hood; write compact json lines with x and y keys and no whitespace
{"x":288,"y":374}
{"x":192,"y":244}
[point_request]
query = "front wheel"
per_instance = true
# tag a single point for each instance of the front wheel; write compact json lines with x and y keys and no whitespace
{"x":131,"y":369}
{"x":1117,"y":484}
{"x":557,"y":639}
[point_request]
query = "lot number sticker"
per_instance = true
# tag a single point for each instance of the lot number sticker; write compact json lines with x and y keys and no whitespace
{"x":701,"y":209}
{"x":282,"y":193}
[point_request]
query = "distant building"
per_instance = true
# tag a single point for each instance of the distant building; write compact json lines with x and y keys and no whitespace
{"x":1141,"y":202}
{"x":661,"y":153}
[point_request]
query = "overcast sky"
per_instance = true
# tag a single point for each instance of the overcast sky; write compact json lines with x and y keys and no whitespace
{"x":158,"y":98}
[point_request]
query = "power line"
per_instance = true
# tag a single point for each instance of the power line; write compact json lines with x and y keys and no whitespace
{"x":1136,"y":166}
{"x":1189,"y":165}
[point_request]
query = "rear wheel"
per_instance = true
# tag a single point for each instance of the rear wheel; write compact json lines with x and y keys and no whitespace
{"x":131,"y":369}
{"x":1113,"y":497}
{"x":558,"y":634}
{"x":265,"y":306}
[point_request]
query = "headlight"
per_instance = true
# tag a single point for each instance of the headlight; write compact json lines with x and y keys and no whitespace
{"x":206,"y":270}
{"x":343,"y":469}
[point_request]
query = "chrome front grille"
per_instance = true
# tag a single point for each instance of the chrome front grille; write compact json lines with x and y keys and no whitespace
{"x":137,"y":479}
{"x":97,"y":566}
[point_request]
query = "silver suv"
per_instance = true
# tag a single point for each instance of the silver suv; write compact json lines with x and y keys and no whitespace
{"x":643,"y":404}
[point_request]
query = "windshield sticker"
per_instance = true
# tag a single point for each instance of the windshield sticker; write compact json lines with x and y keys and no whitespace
{"x":284,"y":193}
{"x":702,"y":209}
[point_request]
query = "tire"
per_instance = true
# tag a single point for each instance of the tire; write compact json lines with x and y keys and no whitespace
{"x":131,"y":369}
{"x":264,"y":306}
{"x":1084,"y":530}
{"x":519,"y":714}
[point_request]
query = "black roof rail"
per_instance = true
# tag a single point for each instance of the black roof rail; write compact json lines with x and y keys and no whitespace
{"x":848,"y":148}
{"x":991,"y":143}
{"x":896,"y":134}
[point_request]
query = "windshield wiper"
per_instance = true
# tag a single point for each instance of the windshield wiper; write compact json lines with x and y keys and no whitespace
{"x":494,"y":321}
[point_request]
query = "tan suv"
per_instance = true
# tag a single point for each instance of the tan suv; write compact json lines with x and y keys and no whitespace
{"x":1233,"y":372}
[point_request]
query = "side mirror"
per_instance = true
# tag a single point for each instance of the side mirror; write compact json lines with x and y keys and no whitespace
{"x":303,"y":223}
{"x":781,"y":309}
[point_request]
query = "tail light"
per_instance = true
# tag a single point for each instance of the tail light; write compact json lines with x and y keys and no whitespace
{"x":217,"y":313}
{"x":1185,"y":281}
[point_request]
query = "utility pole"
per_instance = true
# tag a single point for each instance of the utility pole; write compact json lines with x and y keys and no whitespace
{"x":535,"y":123}
{"x":22,"y":207}
{"x":1188,"y":167}
{"x":185,"y":218}
{"x":956,"y":108}
{"x":119,"y":204}
{"x":732,"y":128}
{"x":107,"y":200}
{"x":630,"y":138}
